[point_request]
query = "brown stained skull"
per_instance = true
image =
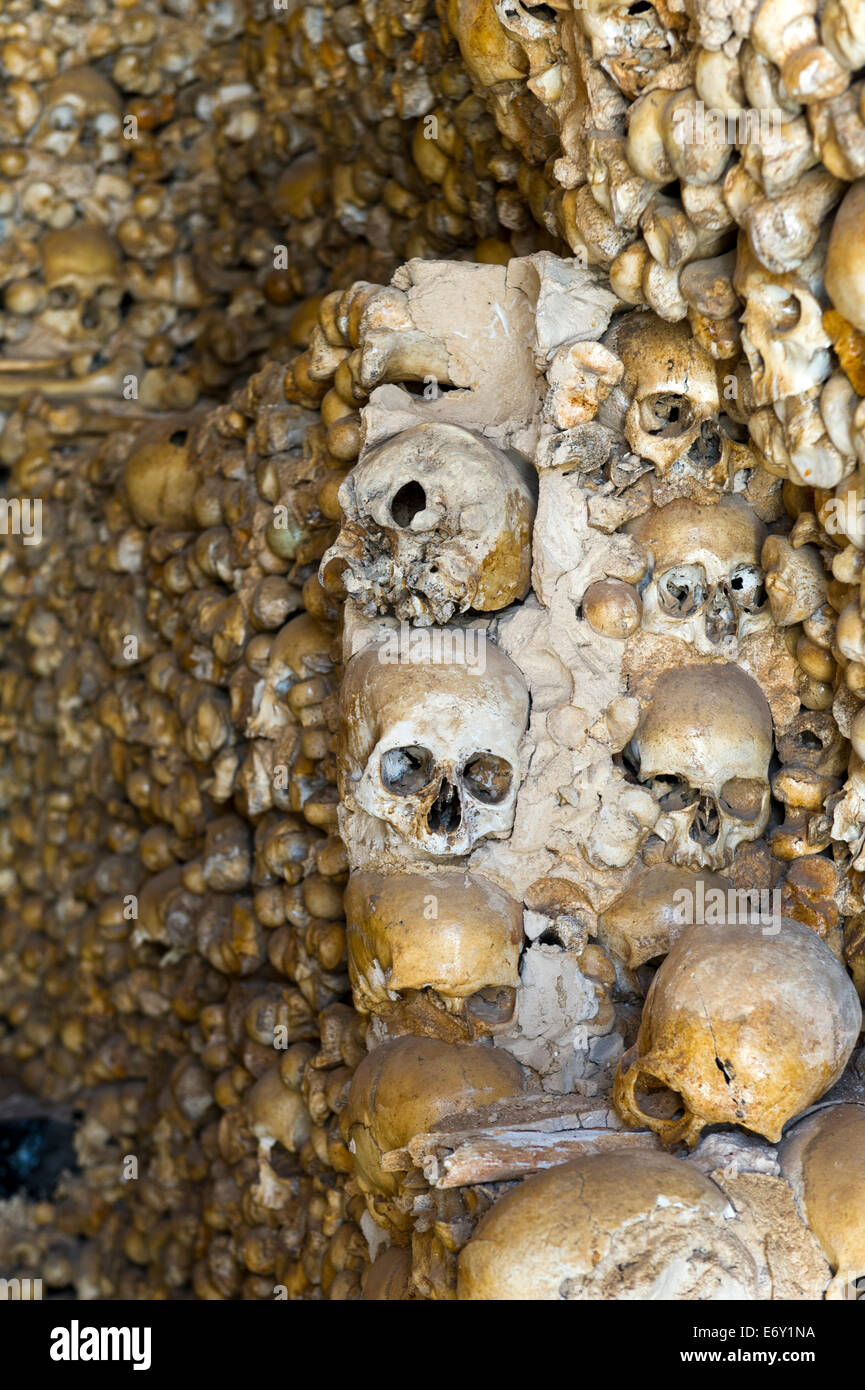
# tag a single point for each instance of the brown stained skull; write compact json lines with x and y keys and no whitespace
{"x":73,"y":304}
{"x":432,"y":747}
{"x":703,"y":746}
{"x":80,"y":116}
{"x":631,"y":1226}
{"x":705,"y":585}
{"x":456,"y":934}
{"x":673,"y":392}
{"x":437,"y":521}
{"x":823,"y":1159}
{"x":401,"y":1089}
{"x":744,"y":1025}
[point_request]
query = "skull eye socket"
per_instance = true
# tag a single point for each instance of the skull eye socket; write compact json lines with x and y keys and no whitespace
{"x":487,"y":778}
{"x":742,"y":798}
{"x":746,"y":588}
{"x":653,"y":1098}
{"x":674,"y":793}
{"x":667,"y":414}
{"x":63,"y":297}
{"x":786,"y":310}
{"x":63,"y":117}
{"x":407,"y":502}
{"x":682,"y":590}
{"x":406,"y":771}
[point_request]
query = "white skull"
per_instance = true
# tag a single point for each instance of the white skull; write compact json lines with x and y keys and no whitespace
{"x":431,"y":746}
{"x":705,"y":584}
{"x":671,"y":385}
{"x":437,"y":521}
{"x":783,"y":338}
{"x":704,"y":745}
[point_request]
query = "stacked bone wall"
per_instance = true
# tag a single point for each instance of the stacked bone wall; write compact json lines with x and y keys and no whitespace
{"x":434,"y":411}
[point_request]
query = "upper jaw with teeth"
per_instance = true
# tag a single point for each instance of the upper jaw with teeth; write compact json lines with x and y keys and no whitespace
{"x":704,"y":584}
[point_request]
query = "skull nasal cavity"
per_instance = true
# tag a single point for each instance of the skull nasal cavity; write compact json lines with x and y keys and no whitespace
{"x":445,"y":812}
{"x":706,"y":823}
{"x":406,"y":504}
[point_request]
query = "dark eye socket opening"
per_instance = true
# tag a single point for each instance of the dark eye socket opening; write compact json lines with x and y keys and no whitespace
{"x":487,"y":778}
{"x":672,"y":413}
{"x":808,"y":739}
{"x":653,"y":1098}
{"x":407,"y":502}
{"x":748,"y":588}
{"x":674,"y":793}
{"x":681,"y":592}
{"x":406,"y":770}
{"x":63,"y":297}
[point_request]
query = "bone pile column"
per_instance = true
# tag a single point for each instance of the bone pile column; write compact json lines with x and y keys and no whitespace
{"x":529,"y":821}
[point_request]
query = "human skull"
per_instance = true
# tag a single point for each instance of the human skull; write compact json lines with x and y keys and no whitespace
{"x":742,"y":1025}
{"x":437,"y":521}
{"x":399,"y":1090}
{"x":82,"y":270}
{"x":630,"y":44}
{"x":619,"y":1226}
{"x":670,"y":382}
{"x":823,"y":1159}
{"x":705,"y":585}
{"x":160,"y":476}
{"x":787,"y":347}
{"x":703,"y":745}
{"x":81,"y":115}
{"x":452,"y":933}
{"x":432,"y":747}
{"x":642,"y":924}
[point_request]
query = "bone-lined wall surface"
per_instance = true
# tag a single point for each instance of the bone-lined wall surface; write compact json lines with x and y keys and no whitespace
{"x":433,"y":641}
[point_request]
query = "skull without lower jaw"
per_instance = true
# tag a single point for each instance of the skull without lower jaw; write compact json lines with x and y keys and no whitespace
{"x":437,"y":521}
{"x":450,"y":932}
{"x":705,"y":585}
{"x":673,"y":391}
{"x":703,"y":746}
{"x":741,"y":1026}
{"x":432,"y":748}
{"x":783,"y":337}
